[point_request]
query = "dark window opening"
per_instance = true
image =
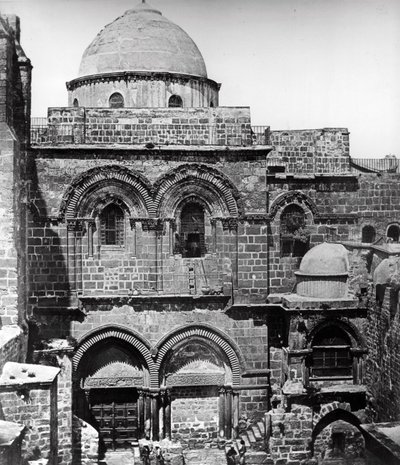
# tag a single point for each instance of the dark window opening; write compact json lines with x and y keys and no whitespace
{"x":331,"y":355}
{"x":175,"y":101}
{"x":76,"y":103}
{"x":393,"y":233}
{"x":368,"y":234}
{"x":116,"y":101}
{"x":212,"y":104}
{"x":112,"y":227}
{"x":294,"y":237}
{"x":192,"y":231}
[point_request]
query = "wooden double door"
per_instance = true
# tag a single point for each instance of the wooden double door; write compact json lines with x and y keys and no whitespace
{"x":115,"y":414}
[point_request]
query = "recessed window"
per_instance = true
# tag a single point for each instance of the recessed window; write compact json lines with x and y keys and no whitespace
{"x":212,"y":104}
{"x":294,"y":237}
{"x":112,"y":226}
{"x":175,"y":101}
{"x":192,"y":230}
{"x":393,"y":233}
{"x":76,"y":102}
{"x":116,"y":100}
{"x":368,"y":234}
{"x":331,"y":355}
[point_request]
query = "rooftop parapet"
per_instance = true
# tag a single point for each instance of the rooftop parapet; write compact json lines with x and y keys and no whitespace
{"x":222,"y":126}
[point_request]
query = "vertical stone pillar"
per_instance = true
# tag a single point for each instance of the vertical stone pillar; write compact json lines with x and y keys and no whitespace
{"x":235,"y":414}
{"x":140,"y":408}
{"x":167,"y":420}
{"x":71,"y":255}
{"x":155,"y":416}
{"x":228,"y":413}
{"x":147,"y":415}
{"x":221,"y":411}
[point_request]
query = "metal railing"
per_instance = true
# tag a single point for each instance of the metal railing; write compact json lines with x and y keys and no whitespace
{"x":377,"y":165}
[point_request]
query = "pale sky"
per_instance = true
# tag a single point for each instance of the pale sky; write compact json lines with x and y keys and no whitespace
{"x":298,"y":64}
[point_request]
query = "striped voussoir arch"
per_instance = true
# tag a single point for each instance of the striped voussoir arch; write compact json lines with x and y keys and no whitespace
{"x":219,"y":338}
{"x":200,"y":174}
{"x":78,"y":188}
{"x":122,"y":334}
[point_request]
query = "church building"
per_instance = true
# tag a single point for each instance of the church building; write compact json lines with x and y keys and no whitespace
{"x":173,"y":276}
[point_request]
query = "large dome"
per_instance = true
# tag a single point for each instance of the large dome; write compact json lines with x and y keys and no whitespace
{"x":142,"y":40}
{"x":325,"y":260}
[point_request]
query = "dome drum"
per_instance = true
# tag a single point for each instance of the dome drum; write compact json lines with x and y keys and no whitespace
{"x":321,"y":287}
{"x":143,"y":90}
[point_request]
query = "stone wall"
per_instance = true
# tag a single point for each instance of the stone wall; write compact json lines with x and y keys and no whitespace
{"x":194,"y":416}
{"x":311,"y":151}
{"x":160,"y":126}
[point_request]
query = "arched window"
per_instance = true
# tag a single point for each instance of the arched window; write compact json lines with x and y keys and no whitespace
{"x":112,"y":225}
{"x":294,"y":238}
{"x":393,"y":233}
{"x":212,"y":104}
{"x":76,"y":102}
{"x":192,"y":230}
{"x":116,"y":100}
{"x":175,"y":101}
{"x":331,"y":356}
{"x":368,"y":234}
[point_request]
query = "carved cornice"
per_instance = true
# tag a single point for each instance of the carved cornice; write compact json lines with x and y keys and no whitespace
{"x":133,"y":76}
{"x":336,"y":218}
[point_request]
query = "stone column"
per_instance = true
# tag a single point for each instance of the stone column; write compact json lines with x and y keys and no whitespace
{"x":147,"y":415}
{"x":221,"y":410}
{"x":140,"y":408}
{"x":228,"y":413}
{"x":155,"y":415}
{"x":235,"y":414}
{"x":168,"y":400}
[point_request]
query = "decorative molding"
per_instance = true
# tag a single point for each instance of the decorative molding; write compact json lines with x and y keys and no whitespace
{"x":206,"y":332}
{"x":200,"y":175}
{"x":109,"y":173}
{"x":195,"y":379}
{"x":112,"y":382}
{"x":128,"y":76}
{"x":262,"y":218}
{"x":136,"y":341}
{"x":290,"y":197}
{"x":336,"y":218}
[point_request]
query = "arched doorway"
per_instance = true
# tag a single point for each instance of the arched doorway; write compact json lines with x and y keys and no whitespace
{"x":112,"y":392}
{"x":197,"y":374}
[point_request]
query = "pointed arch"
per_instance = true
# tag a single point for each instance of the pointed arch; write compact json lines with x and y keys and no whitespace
{"x":129,"y":336}
{"x":207,"y":332}
{"x":213,"y":187}
{"x":292,"y":197}
{"x":120,"y":179}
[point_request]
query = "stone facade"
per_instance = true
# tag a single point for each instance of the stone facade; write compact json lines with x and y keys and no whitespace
{"x":161,"y":263}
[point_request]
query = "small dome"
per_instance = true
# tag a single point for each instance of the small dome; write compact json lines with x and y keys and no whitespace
{"x":142,"y":40}
{"x":325,"y":260}
{"x":386,"y":269}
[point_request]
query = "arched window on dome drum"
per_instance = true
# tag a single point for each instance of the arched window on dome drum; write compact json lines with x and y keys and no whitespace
{"x":393,"y":233}
{"x":116,"y":100}
{"x":192,"y":230}
{"x":294,"y":238}
{"x":175,"y":101}
{"x":331,"y":355}
{"x":112,"y":226}
{"x":76,"y":102}
{"x":368,"y":234}
{"x":212,"y":104}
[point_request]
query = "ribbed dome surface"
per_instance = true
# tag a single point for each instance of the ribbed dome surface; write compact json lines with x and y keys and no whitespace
{"x":325,"y":260}
{"x":142,"y":40}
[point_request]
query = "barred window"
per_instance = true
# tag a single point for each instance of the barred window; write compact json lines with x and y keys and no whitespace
{"x":331,"y":356}
{"x":112,"y":225}
{"x":294,"y":238}
{"x":175,"y":101}
{"x":116,"y":100}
